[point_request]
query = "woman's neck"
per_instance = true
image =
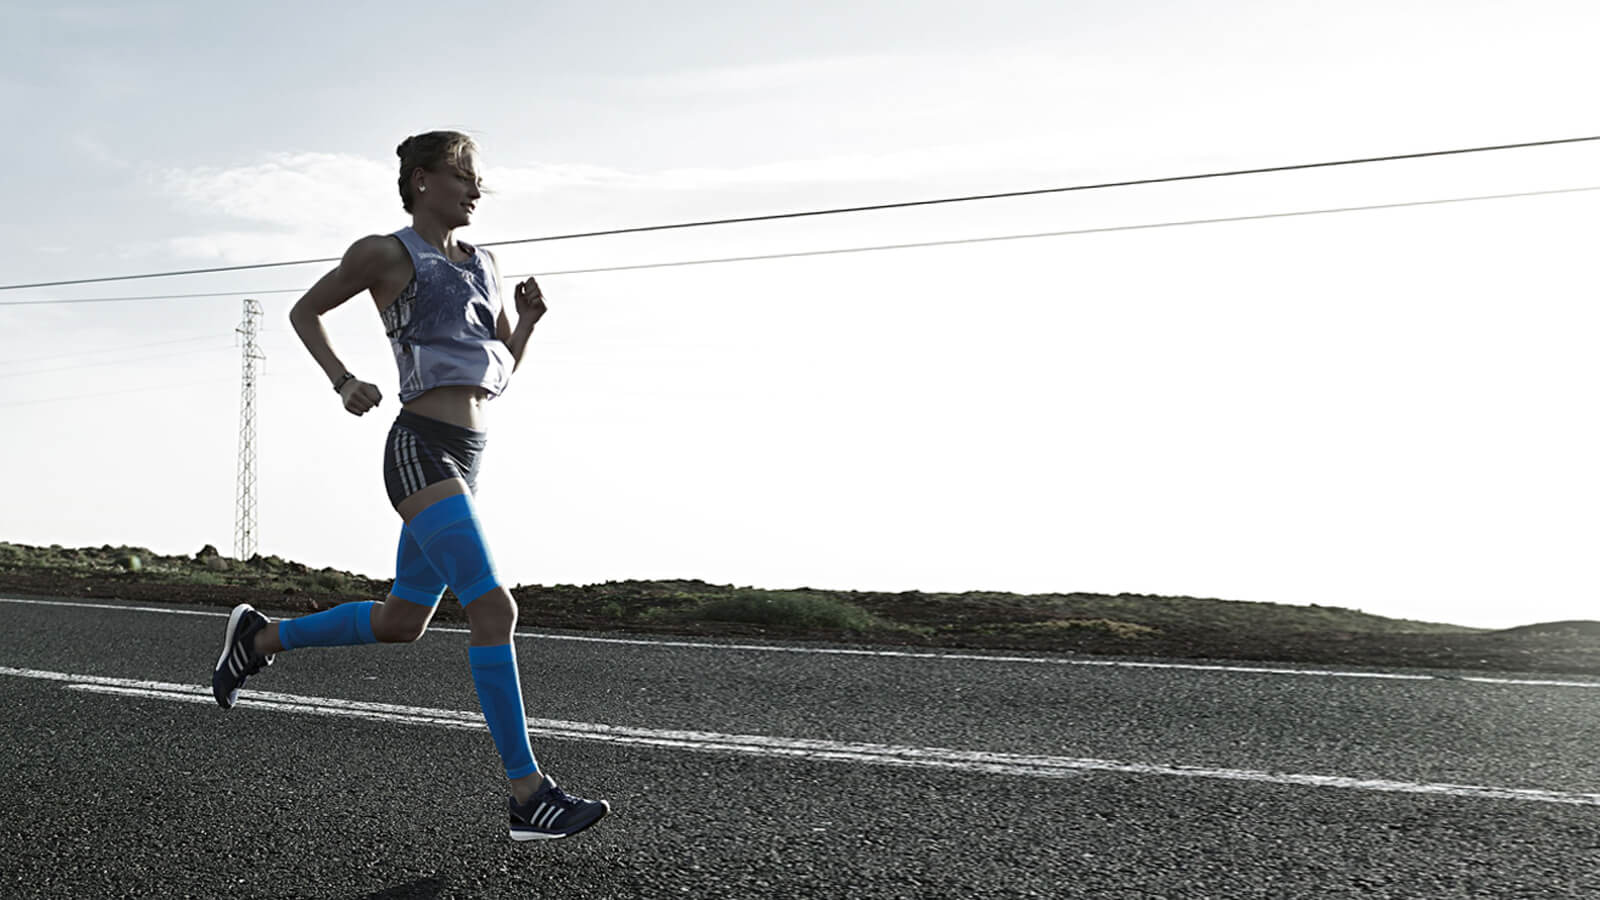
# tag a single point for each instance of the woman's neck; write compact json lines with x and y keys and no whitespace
{"x":438,"y":235}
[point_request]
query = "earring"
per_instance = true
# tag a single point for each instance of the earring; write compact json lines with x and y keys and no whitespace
{"x":422,"y":187}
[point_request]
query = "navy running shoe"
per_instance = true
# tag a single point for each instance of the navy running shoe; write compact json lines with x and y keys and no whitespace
{"x":552,"y":813}
{"x":238,"y":661}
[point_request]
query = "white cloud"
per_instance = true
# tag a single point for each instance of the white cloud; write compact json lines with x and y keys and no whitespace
{"x":289,"y":189}
{"x":307,"y":203}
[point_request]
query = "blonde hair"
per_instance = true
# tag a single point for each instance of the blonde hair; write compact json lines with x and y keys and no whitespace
{"x":424,"y":151}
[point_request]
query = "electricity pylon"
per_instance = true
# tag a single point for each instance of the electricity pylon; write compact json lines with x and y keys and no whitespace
{"x":244,"y":528}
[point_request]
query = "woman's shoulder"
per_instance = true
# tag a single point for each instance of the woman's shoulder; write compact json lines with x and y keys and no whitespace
{"x":377,"y":248}
{"x":378,"y":245}
{"x":375,"y":254}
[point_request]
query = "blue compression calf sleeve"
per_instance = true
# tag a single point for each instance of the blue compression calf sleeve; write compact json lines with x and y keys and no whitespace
{"x":345,"y":624}
{"x":452,"y":540}
{"x":494,"y":672}
{"x":415,"y":579}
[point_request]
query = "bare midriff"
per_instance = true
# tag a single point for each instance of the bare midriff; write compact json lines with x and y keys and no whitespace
{"x":458,"y":404}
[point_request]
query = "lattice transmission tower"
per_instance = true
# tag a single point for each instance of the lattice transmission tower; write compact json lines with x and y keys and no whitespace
{"x":244,"y":527}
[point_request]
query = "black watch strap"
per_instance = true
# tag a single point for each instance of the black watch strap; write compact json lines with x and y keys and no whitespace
{"x":338,"y":386}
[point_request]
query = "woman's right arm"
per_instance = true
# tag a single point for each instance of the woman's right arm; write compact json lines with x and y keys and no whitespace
{"x":361,"y":268}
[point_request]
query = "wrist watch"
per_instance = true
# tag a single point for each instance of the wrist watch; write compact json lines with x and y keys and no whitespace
{"x":338,"y":386}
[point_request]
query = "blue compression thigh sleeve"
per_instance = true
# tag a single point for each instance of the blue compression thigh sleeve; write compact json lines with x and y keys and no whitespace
{"x":347,"y":623}
{"x":494,"y":671}
{"x":415,"y":578}
{"x":452,"y":539}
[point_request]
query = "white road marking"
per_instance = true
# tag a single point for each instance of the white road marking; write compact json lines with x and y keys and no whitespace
{"x":793,"y":748}
{"x":913,"y":654}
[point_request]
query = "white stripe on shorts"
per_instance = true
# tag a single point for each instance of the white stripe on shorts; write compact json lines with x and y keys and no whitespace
{"x":399,"y":462}
{"x":403,"y":464}
{"x":413,"y":466}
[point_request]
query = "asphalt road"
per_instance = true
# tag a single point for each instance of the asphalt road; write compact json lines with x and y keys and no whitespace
{"x":782,"y":771}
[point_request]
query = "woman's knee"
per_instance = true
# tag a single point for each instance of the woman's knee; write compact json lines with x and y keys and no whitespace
{"x":495,"y":608}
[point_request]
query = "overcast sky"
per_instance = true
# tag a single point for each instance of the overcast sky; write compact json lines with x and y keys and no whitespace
{"x":1391,"y":410}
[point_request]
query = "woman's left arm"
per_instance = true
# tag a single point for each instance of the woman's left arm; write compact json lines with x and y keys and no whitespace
{"x":530,"y":308}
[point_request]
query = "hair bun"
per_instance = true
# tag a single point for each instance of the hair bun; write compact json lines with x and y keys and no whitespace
{"x":404,"y":146}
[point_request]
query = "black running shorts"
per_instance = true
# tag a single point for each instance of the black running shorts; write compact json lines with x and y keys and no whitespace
{"x":421,"y":451}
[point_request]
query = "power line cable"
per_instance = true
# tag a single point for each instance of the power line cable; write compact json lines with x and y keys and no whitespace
{"x":1044,"y":234}
{"x":853,"y":209}
{"x":943,"y":243}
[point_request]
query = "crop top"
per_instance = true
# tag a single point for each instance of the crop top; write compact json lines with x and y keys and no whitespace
{"x":442,"y":326}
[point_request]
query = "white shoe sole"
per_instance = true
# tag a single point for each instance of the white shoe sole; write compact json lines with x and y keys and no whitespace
{"x":535,"y":836}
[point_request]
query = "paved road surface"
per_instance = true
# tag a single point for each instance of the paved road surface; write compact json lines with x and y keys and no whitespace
{"x":782,"y":771}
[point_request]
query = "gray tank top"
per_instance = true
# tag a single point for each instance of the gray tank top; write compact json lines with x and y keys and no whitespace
{"x":442,"y":326}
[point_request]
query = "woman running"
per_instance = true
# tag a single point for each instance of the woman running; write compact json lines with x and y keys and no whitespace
{"x":439,"y":299}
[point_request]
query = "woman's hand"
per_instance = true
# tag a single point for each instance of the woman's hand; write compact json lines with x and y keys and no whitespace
{"x":359,"y":396}
{"x":530,"y":301}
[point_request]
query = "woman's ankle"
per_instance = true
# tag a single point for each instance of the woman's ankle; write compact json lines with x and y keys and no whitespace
{"x":526,"y":786}
{"x":266,"y":641}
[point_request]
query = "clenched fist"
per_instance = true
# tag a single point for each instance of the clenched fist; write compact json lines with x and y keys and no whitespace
{"x":530,"y":300}
{"x":359,"y":396}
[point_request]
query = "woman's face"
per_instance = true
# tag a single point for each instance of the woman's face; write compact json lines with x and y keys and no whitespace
{"x":452,"y":190}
